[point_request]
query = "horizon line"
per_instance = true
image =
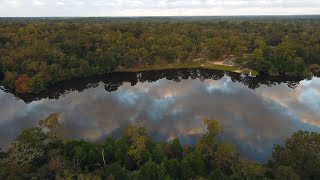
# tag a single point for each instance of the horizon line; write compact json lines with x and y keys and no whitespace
{"x":249,"y":15}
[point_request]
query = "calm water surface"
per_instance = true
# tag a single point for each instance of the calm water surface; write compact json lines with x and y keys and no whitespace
{"x":255,"y":112}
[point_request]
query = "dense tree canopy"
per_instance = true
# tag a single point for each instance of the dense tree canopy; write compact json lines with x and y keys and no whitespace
{"x":36,"y":54}
{"x":301,"y":153}
{"x":44,"y":153}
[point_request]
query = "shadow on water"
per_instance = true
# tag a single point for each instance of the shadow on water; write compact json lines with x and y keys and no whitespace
{"x":1,"y":76}
{"x":115,"y":80}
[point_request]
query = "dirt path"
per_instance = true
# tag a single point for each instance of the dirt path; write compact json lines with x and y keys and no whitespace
{"x":226,"y":62}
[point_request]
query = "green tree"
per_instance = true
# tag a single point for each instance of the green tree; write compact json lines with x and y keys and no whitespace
{"x":193,"y":165}
{"x":169,"y":55}
{"x":174,"y":149}
{"x":249,"y":170}
{"x":226,"y":158}
{"x":172,"y":168}
{"x":301,"y":152}
{"x":9,"y":79}
{"x":286,"y":173}
{"x":157,"y":153}
{"x":207,"y":144}
{"x":239,"y":50}
{"x":108,"y":150}
{"x":258,"y":55}
{"x":260,"y":43}
{"x":116,"y":172}
{"x":138,"y":136}
{"x":150,"y":171}
{"x":53,"y":126}
{"x":121,"y":148}
{"x":28,"y":148}
{"x":216,"y":175}
{"x":56,"y":163}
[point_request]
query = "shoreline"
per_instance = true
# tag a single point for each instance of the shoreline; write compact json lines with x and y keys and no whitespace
{"x":234,"y":69}
{"x":192,"y":65}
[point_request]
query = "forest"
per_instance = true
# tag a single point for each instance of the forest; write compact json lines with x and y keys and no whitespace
{"x":37,"y":53}
{"x":43,"y":152}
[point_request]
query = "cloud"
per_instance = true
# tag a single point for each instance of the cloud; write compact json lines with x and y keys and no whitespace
{"x":39,"y":3}
{"x":155,"y":8}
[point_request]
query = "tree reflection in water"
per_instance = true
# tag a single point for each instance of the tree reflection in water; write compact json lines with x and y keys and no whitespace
{"x":115,"y":80}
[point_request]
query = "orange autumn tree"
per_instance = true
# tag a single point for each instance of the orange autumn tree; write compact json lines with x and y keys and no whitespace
{"x":23,"y":84}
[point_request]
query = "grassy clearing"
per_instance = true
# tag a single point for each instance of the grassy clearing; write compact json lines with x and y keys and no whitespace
{"x":221,"y":67}
{"x":181,"y":66}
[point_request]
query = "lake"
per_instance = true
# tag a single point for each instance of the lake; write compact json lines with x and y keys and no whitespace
{"x":255,"y":112}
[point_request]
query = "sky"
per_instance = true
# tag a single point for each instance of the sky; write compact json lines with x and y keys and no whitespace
{"x":50,"y":8}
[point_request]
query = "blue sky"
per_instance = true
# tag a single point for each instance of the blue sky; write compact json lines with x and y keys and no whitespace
{"x":156,"y":8}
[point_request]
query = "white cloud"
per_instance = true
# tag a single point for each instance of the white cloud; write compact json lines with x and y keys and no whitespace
{"x":155,"y":8}
{"x":39,"y":3}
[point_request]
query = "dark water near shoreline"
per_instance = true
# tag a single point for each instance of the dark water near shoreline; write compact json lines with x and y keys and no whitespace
{"x":255,"y":112}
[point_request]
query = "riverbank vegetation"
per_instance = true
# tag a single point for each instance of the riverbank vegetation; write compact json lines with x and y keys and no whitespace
{"x":43,"y":152}
{"x":35,"y":54}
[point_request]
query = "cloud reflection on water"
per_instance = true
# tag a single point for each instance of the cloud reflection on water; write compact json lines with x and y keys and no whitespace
{"x":253,"y":120}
